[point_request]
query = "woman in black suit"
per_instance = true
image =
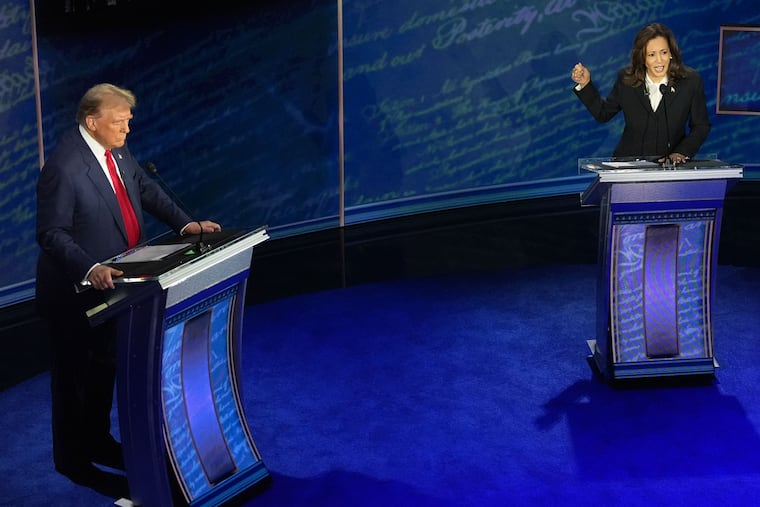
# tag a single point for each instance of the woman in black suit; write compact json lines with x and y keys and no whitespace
{"x":659,"y":97}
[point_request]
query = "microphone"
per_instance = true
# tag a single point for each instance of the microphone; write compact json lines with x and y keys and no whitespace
{"x":664,"y":90}
{"x":152,"y":169}
{"x":649,"y":116}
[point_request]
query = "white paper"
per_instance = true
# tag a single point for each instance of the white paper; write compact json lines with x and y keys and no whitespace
{"x":149,"y":253}
{"x":631,"y":164}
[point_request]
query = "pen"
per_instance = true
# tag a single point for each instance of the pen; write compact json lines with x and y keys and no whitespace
{"x":124,"y":254}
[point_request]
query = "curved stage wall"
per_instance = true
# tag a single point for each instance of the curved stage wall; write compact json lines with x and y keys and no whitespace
{"x":446,"y":104}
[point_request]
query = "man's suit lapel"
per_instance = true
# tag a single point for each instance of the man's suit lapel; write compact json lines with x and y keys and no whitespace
{"x":127,"y":171}
{"x":99,"y":180}
{"x":127,"y":176}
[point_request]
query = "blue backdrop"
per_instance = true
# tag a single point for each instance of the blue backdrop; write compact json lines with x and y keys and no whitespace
{"x":445,"y":103}
{"x":19,"y":160}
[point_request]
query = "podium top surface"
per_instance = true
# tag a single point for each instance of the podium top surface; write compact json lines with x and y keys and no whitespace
{"x":611,"y":171}
{"x":165,"y":257}
{"x":622,"y":170}
{"x":179,"y":265}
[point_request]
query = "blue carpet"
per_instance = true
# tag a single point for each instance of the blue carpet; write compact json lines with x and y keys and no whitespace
{"x":461,"y":390}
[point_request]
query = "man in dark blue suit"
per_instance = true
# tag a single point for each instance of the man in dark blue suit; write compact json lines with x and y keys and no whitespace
{"x":79,"y":224}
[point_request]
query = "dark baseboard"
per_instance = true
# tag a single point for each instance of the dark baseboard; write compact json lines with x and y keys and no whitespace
{"x":24,"y":342}
{"x":540,"y":231}
{"x":546,"y":231}
{"x":740,"y":228}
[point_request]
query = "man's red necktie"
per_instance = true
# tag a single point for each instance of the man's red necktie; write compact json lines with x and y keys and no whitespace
{"x":127,"y":211}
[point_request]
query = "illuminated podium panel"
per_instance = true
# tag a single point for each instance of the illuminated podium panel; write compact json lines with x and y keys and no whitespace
{"x":658,"y":250}
{"x":179,"y":308}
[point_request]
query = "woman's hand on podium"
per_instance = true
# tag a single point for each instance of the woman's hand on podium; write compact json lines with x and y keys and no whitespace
{"x":674,"y":158}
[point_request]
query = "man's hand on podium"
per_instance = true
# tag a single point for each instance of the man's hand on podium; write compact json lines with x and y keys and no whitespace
{"x":201,"y":227}
{"x":101,"y":277}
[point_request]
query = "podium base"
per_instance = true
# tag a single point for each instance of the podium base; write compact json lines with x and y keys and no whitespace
{"x":668,"y":367}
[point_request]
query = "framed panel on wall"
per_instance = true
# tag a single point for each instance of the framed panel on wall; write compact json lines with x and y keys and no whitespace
{"x":739,"y":70}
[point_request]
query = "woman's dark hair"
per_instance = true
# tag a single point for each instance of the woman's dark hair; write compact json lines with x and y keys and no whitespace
{"x":635,"y":73}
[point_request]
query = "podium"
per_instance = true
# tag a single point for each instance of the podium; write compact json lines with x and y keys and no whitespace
{"x":658,"y":249}
{"x":179,"y":311}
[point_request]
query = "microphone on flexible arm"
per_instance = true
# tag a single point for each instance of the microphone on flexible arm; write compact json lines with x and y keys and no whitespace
{"x":664,"y":90}
{"x":151,"y":167}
